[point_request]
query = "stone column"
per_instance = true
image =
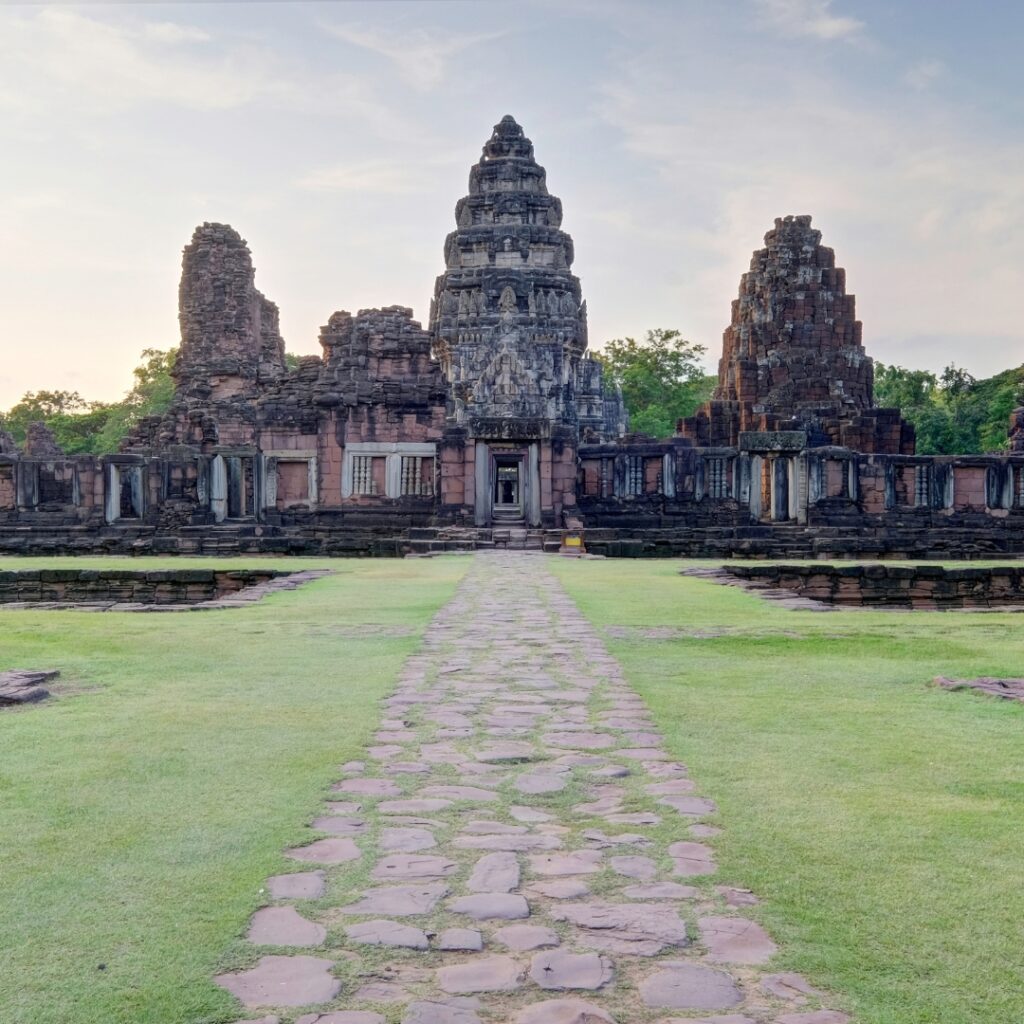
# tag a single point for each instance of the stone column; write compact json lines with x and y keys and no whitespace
{"x":112,"y":494}
{"x":533,"y":485}
{"x":754,"y":485}
{"x":482,"y":484}
{"x":218,"y":488}
{"x":780,"y":489}
{"x":668,"y":474}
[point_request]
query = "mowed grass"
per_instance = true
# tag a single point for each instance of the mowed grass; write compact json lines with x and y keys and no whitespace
{"x":142,"y":810}
{"x":880,"y":819}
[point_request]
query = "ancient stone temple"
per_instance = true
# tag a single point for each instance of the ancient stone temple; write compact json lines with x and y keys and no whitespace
{"x":793,"y":358}
{"x":493,"y":426}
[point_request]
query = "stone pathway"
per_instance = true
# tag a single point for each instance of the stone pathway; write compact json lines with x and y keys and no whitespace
{"x":517,"y":846}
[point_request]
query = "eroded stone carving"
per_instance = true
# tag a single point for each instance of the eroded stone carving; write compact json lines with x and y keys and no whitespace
{"x":526,"y":360}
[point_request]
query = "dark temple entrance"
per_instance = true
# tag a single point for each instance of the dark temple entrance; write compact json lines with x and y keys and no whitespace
{"x":508,"y":488}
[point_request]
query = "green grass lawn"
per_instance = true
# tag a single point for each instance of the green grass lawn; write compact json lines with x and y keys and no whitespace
{"x":881,"y":819}
{"x":141,"y":811}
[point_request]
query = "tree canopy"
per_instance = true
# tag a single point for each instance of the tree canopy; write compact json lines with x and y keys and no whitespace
{"x":661,"y":377}
{"x":952,"y":412}
{"x":96,"y":428}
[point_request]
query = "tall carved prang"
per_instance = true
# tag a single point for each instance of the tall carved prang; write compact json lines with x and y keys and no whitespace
{"x":508,"y":322}
{"x":792,"y":356}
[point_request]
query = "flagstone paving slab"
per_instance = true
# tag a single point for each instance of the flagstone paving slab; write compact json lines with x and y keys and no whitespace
{"x":817,"y":1017}
{"x":412,"y":865}
{"x":789,"y":986}
{"x":735,"y":940}
{"x":327,"y":851}
{"x":342,"y":1017}
{"x":523,"y":937}
{"x":407,"y":840}
{"x":686,"y":986}
{"x":484,"y":974}
{"x":513,"y":696}
{"x":495,"y":872}
{"x":559,"y":970}
{"x":438,"y":1013}
{"x":559,"y":888}
{"x":455,"y":939}
{"x":579,"y":862}
{"x":399,"y":900}
{"x":283,"y":981}
{"x":387,"y":933}
{"x":284,"y":926}
{"x":300,"y":885}
{"x":491,"y":906}
{"x":564,"y":1011}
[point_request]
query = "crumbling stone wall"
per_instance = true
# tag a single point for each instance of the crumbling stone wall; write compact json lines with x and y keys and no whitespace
{"x":1017,"y":430}
{"x":378,"y":369}
{"x":901,"y":586}
{"x":40,"y":442}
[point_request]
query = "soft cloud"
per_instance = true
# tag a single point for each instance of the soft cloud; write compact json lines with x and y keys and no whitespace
{"x":924,"y":209}
{"x":924,"y":73}
{"x":809,"y":18}
{"x":421,"y":56}
{"x":57,"y":57}
{"x":380,"y":176}
{"x":171,"y":32}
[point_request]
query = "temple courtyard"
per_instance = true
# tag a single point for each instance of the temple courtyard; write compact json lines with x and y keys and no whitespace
{"x":508,"y":787}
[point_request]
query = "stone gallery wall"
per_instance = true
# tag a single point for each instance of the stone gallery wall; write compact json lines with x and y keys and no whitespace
{"x":495,"y":425}
{"x":903,"y":586}
{"x":90,"y":586}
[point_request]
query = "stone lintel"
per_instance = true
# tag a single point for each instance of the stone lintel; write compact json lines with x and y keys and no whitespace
{"x":773,"y":440}
{"x":509,"y":429}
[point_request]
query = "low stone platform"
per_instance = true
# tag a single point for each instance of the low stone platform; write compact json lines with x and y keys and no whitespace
{"x":913,"y":587}
{"x":1008,"y":689}
{"x":124,"y":590}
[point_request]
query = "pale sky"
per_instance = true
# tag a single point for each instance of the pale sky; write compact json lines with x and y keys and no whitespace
{"x":337,"y":137}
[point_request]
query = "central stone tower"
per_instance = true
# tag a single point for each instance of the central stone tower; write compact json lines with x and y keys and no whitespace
{"x":509,"y":327}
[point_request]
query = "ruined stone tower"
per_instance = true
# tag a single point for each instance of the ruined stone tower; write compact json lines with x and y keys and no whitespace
{"x":230,"y":339}
{"x":792,"y":356}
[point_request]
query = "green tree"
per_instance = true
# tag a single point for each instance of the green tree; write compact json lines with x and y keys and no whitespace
{"x":96,"y":428}
{"x":899,"y":388}
{"x":150,"y":395}
{"x":74,"y":421}
{"x":953,"y":413}
{"x":661,"y":377}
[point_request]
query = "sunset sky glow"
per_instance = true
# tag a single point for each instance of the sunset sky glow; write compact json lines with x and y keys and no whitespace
{"x":337,"y":137}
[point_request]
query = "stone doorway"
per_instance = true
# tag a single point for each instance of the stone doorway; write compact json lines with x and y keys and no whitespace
{"x":507,"y":496}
